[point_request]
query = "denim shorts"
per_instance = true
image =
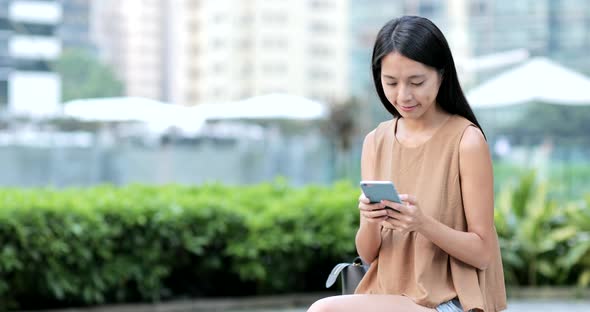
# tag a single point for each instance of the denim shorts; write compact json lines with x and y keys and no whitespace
{"x":450,"y":306}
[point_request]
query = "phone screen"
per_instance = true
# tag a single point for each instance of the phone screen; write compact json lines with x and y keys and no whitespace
{"x":376,"y":191}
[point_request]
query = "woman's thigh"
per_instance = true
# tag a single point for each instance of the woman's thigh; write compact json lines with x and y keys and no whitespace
{"x":372,"y":303}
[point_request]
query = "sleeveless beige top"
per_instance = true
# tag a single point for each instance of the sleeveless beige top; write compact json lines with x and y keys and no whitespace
{"x":409,"y":264}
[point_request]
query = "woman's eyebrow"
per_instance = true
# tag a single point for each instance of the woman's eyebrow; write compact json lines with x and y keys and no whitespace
{"x":411,"y":77}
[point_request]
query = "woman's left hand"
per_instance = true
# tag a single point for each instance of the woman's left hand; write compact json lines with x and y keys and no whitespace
{"x":408,"y":217}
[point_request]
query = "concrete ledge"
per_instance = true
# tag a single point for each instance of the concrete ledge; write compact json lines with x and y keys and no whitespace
{"x":217,"y":304}
{"x":302,"y":300}
{"x":547,"y":292}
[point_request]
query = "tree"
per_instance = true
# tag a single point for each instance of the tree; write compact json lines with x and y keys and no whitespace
{"x":84,"y":76}
{"x":342,"y":127}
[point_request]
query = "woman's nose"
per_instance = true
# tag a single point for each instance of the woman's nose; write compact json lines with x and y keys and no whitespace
{"x":404,"y":94}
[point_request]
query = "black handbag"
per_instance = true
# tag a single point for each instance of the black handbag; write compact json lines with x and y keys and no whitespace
{"x":350,"y":273}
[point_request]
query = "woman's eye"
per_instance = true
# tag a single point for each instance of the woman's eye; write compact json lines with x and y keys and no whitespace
{"x":417,"y":83}
{"x":392,"y":84}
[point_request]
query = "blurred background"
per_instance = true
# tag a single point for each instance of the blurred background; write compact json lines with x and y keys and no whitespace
{"x":251,"y":94}
{"x":98,"y":91}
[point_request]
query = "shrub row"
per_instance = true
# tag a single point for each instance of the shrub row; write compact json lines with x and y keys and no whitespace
{"x":145,"y":243}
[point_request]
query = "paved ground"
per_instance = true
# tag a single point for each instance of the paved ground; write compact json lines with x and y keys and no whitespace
{"x":270,"y":304}
{"x":513,"y":306}
{"x":546,"y":306}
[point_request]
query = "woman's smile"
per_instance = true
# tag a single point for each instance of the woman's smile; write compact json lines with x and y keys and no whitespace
{"x":408,"y":108}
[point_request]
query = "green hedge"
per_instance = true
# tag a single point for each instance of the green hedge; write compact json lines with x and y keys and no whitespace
{"x":142,"y":243}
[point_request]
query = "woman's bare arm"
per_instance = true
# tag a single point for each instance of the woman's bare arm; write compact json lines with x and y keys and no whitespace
{"x":473,"y":247}
{"x":368,"y":237}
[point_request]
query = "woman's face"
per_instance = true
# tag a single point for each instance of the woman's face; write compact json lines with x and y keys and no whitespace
{"x":409,"y":85}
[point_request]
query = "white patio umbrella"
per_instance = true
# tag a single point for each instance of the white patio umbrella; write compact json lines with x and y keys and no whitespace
{"x":270,"y":107}
{"x":158,"y":116}
{"x":538,"y":80}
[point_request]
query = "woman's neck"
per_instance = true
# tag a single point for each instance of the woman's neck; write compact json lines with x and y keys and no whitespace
{"x":430,"y":120}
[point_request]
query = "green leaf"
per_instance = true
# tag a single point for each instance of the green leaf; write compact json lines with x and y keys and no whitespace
{"x":547,"y":269}
{"x":584,"y":279}
{"x":575,"y":254}
{"x":563,"y":234}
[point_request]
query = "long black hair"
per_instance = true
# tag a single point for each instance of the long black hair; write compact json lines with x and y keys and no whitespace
{"x":419,"y":39}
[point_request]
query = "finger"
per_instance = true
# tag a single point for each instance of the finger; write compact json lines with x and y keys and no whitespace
{"x":392,"y":213}
{"x":369,"y":216}
{"x":402,"y":227}
{"x":398,"y":225}
{"x":411,"y":199}
{"x":364,"y":199}
{"x":374,"y":214}
{"x":403,"y":218}
{"x":388,"y":203}
{"x":411,"y":208}
{"x":397,"y":206}
{"x":371,"y":207}
{"x":379,"y":213}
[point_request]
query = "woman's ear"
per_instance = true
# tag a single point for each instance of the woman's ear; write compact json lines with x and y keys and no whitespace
{"x":441,"y":76}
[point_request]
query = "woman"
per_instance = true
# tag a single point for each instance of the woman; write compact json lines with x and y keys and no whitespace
{"x":438,"y":251}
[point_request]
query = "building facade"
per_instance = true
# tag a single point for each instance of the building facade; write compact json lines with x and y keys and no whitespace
{"x":74,"y":29}
{"x":129,"y":35}
{"x":28,"y":46}
{"x":203,"y":51}
{"x":239,"y":49}
{"x":557,"y":29}
{"x":551,"y":28}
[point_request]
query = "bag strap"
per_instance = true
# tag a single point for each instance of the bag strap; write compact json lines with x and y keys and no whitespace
{"x":358,"y":261}
{"x":341,"y":266}
{"x":334,"y":274}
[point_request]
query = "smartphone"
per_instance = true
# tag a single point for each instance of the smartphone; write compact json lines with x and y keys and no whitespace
{"x":376,"y":191}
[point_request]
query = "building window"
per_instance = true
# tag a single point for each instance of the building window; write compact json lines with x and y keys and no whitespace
{"x":218,"y":68}
{"x":5,"y":24}
{"x":194,"y":48}
{"x":317,"y":95}
{"x":318,"y":73}
{"x":478,"y":7}
{"x":320,"y":4}
{"x":320,"y":27}
{"x":3,"y":48}
{"x":246,"y":20}
{"x":192,"y":97}
{"x":194,"y":73}
{"x":217,"y":43}
{"x":3,"y":94}
{"x":194,"y":4}
{"x":274,"y":43}
{"x":274,"y":69}
{"x":247,"y":70}
{"x":5,"y":61}
{"x":245,"y":44}
{"x":319,"y":51}
{"x":217,"y":92}
{"x":34,"y":29}
{"x":194,"y":26}
{"x":219,"y":18}
{"x":244,"y":94}
{"x":32,"y":65}
{"x":276,"y":18}
{"x":429,"y":8}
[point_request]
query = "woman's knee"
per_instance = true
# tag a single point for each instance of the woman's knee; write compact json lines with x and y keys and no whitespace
{"x":323,"y":305}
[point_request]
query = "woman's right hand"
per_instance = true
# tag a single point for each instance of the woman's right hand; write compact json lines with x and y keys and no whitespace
{"x":372,"y":213}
